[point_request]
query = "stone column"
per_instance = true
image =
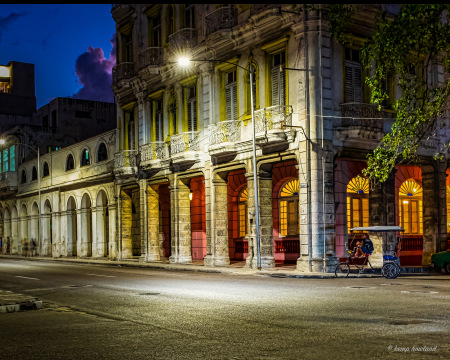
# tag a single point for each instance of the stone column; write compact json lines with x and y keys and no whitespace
{"x":112,"y":241}
{"x":126,"y":225}
{"x":95,"y":241}
{"x":266,"y":223}
{"x":15,"y":246}
{"x":153,"y":252}
{"x":80,"y":251}
{"x":180,"y":222}
{"x":430,"y":213}
{"x":252,"y":247}
{"x":143,"y":217}
{"x":219,"y":255}
{"x":85,"y":232}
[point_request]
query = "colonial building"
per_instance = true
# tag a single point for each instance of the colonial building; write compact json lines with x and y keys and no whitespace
{"x":187,"y":134}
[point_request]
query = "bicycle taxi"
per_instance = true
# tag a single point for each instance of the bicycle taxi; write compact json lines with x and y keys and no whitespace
{"x":391,"y":262}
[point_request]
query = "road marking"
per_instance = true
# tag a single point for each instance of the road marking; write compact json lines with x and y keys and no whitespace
{"x":101,"y":275}
{"x":26,"y":277}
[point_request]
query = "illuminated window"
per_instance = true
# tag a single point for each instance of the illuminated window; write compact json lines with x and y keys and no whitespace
{"x":33,"y":173}
{"x":288,"y":205}
{"x":278,"y":79}
{"x":410,"y":207}
{"x":243,"y":212}
{"x":85,"y":159}
{"x":357,"y":202}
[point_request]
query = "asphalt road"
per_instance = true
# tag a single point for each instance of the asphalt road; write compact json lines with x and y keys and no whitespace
{"x":110,"y":312}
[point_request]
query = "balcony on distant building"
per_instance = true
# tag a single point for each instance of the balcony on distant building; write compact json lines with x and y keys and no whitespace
{"x":123,"y":71}
{"x":223,"y":138}
{"x":125,"y":163}
{"x":223,"y":18}
{"x":184,"y":38}
{"x":152,"y":154}
{"x":151,"y":56}
{"x":185,"y":148}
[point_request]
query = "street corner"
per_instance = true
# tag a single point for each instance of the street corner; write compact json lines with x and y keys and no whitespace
{"x":12,"y":302}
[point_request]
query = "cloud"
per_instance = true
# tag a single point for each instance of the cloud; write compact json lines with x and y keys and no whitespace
{"x":94,"y":72}
{"x":5,"y":21}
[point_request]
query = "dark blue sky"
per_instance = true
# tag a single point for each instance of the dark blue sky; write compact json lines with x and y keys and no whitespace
{"x":70,"y":46}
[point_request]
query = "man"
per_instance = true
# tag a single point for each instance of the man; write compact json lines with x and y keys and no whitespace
{"x":366,"y":248}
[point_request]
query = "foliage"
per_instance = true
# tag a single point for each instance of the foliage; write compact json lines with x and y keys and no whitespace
{"x":406,"y":47}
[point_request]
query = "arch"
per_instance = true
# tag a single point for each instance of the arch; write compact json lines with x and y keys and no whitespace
{"x":357,"y":202}
{"x":71,"y":216}
{"x":411,"y":207}
{"x":70,"y":164}
{"x":34,"y":173}
{"x":102,"y":152}
{"x":86,"y":225}
{"x":45,"y":169}
{"x":23,"y":178}
{"x":85,"y":157}
{"x":288,"y":197}
{"x":102,"y":224}
{"x":47,"y":236}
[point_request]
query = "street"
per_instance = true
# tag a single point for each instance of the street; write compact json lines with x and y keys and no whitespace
{"x":111,"y":312}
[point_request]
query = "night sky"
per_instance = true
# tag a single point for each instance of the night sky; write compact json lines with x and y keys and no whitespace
{"x":71,"y":47}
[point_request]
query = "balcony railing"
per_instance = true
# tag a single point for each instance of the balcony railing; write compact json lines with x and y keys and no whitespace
{"x":220,"y":19}
{"x":362,"y":115}
{"x":287,"y":246}
{"x":125,"y":159}
{"x":224,"y":131}
{"x":8,"y":179}
{"x":123,"y":71}
{"x":272,"y":118}
{"x":185,"y":38}
{"x":150,"y":57}
{"x":154,"y":151}
{"x":412,"y":243}
{"x":188,"y":141}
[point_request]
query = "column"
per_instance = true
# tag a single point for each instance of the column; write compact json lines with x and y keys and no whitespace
{"x":219,"y":223}
{"x":112,"y":241}
{"x":80,"y":249}
{"x":153,"y":252}
{"x":126,"y":225}
{"x":251,"y":259}
{"x":180,"y":222}
{"x":266,"y":223}
{"x":143,"y":217}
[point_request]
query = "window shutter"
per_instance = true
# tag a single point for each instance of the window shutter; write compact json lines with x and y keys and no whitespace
{"x":275,"y":86}
{"x":358,"y":84}
{"x":158,"y":127}
{"x":348,"y":93}
{"x":234,"y":106}
{"x":228,"y":94}
{"x":353,"y":83}
{"x":192,"y":115}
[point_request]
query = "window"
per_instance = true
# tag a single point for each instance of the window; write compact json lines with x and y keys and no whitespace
{"x":45,"y":171}
{"x":85,"y":159}
{"x":70,"y":163}
{"x":23,"y":179}
{"x":155,"y":37}
{"x":8,"y":159}
{"x":158,"y":119}
{"x":102,"y":153}
{"x":189,"y":16}
{"x":12,"y":158}
{"x":53,"y":148}
{"x":172,"y":112}
{"x":127,"y":47}
{"x":5,"y":161}
{"x":231,"y":95}
{"x":192,"y":108}
{"x":170,"y":20}
{"x":410,"y":207}
{"x":353,"y":76}
{"x":129,"y":118}
{"x":357,"y":202}
{"x":288,"y":205}
{"x":278,"y":79}
{"x":33,"y":173}
{"x":243,"y":212}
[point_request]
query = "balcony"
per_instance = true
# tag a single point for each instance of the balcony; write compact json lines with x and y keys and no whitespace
{"x":223,"y":18}
{"x":151,"y":56}
{"x":121,"y":11}
{"x":123,"y":71}
{"x":151,"y":155}
{"x":8,"y":182}
{"x":185,"y":148}
{"x":273,"y":127}
{"x":185,"y":38}
{"x":125,"y":163}
{"x":223,"y":137}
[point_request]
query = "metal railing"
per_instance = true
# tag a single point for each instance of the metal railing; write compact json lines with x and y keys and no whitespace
{"x":273,"y":117}
{"x":413,"y":243}
{"x":287,"y":246}
{"x":222,"y":18}
{"x":154,"y":151}
{"x":150,"y":57}
{"x":363,"y":115}
{"x":123,"y":71}
{"x":188,"y":141}
{"x":224,"y":131}
{"x":183,"y":38}
{"x":125,"y":158}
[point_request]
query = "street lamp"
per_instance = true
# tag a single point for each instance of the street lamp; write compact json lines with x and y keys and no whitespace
{"x":184,"y":62}
{"x":3,"y":142}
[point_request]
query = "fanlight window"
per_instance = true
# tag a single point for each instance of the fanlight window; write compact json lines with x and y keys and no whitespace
{"x":242,"y":208}
{"x":358,"y":202}
{"x":289,"y":224}
{"x":410,"y":207}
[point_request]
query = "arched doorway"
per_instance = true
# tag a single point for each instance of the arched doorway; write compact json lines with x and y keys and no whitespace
{"x":47,"y":237}
{"x":86,"y":226}
{"x":71,"y":215}
{"x":198,"y":218}
{"x":23,"y":230}
{"x":102,"y":222}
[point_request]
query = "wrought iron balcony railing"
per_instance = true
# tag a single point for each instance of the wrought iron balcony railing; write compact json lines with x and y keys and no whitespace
{"x":125,"y":159}
{"x":184,"y":38}
{"x":224,"y":131}
{"x":154,"y":151}
{"x":363,"y":115}
{"x":272,"y":118}
{"x":150,"y":57}
{"x":188,"y":141}
{"x":220,"y":19}
{"x":123,"y":71}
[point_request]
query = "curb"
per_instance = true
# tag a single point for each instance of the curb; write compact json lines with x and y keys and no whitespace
{"x":12,"y":302}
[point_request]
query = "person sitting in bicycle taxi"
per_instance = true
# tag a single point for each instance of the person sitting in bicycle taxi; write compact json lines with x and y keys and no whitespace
{"x":364,"y":247}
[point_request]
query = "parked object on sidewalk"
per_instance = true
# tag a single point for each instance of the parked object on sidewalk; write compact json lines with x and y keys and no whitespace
{"x":441,"y":260}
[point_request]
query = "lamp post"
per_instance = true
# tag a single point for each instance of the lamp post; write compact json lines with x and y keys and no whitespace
{"x":184,"y":62}
{"x":3,"y":142}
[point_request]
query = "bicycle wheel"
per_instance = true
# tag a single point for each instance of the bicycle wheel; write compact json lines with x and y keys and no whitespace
{"x":390,"y":270}
{"x":342,"y":270}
